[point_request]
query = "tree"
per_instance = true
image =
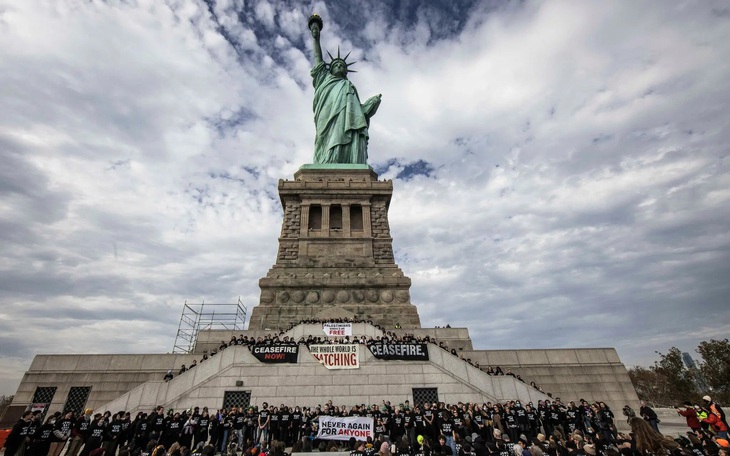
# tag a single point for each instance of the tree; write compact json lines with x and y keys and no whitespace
{"x":646,"y":384}
{"x":665,"y":383}
{"x":676,"y":382}
{"x":715,"y":368}
{"x":5,"y":402}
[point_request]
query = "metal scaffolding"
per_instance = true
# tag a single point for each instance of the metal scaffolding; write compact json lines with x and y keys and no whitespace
{"x":204,"y":316}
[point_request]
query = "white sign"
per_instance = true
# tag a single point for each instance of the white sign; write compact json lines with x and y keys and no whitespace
{"x":337,"y":329}
{"x":38,"y":407}
{"x":337,"y":356}
{"x":345,"y":427}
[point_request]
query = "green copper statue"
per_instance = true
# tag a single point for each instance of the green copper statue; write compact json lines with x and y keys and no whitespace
{"x":341,"y":121}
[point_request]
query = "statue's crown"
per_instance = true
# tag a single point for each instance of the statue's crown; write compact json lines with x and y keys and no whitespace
{"x":341,"y":59}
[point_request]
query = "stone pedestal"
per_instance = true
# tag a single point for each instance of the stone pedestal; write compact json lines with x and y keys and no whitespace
{"x":335,"y":253}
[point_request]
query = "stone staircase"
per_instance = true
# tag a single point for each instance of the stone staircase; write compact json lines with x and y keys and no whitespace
{"x":309,"y":383}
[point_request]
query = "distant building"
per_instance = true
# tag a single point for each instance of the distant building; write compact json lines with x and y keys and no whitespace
{"x":688,"y":361}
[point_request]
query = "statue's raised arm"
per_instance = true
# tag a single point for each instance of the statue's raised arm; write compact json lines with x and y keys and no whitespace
{"x":341,"y":121}
{"x":315,"y":25}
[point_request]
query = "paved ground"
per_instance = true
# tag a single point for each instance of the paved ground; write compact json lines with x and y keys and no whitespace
{"x":671,"y":423}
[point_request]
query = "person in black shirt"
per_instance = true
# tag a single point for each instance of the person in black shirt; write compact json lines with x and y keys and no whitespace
{"x":419,"y":424}
{"x":479,"y":447}
{"x":157,"y":424}
{"x":274,"y":422}
{"x":359,"y":449}
{"x":521,"y":417}
{"x":173,"y":428}
{"x":409,"y":426}
{"x":396,"y":426}
{"x":447,"y":431}
{"x":33,"y":427}
{"x":251,"y":425}
{"x":372,"y":412}
{"x":187,"y":432}
{"x":533,"y":422}
{"x":370,"y":449}
{"x":127,"y":431}
{"x":215,"y":430}
{"x":476,"y":419}
{"x":285,"y":426}
{"x":510,"y":420}
{"x":42,"y":438}
{"x":556,"y":417}
{"x":429,"y":420}
{"x":459,"y":425}
{"x":201,"y":433}
{"x":380,"y":428}
{"x":17,"y":434}
{"x":239,"y":423}
{"x":112,"y":435}
{"x":572,"y":418}
{"x":441,"y":448}
{"x":543,"y":412}
{"x":649,"y":416}
{"x":140,"y":431}
{"x":226,"y":422}
{"x":403,"y":447}
{"x":61,"y":433}
{"x":261,"y":433}
{"x":296,"y":424}
{"x":96,"y":432}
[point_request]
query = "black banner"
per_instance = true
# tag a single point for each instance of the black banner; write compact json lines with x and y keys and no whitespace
{"x":276,"y":353}
{"x":400,"y":350}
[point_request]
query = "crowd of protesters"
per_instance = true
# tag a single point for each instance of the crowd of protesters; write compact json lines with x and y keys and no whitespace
{"x":429,"y":429}
{"x":387,"y":337}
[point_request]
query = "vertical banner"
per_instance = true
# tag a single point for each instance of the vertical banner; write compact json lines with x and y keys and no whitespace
{"x":345,"y":427}
{"x":337,"y":356}
{"x":337,"y":329}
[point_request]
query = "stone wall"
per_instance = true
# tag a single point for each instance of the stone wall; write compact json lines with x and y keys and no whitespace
{"x":571,"y":374}
{"x":383,"y":251}
{"x":291,"y":224}
{"x":288,"y":250}
{"x":379,"y":217}
{"x":109,"y":376}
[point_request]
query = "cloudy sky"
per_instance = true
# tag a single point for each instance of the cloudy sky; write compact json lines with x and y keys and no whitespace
{"x":560,"y":168}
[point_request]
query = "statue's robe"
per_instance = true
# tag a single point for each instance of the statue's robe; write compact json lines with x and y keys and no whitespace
{"x":341,"y":121}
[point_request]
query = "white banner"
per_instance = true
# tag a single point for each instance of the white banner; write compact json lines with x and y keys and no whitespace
{"x":337,"y":356}
{"x":345,"y":427}
{"x":337,"y":329}
{"x":38,"y":407}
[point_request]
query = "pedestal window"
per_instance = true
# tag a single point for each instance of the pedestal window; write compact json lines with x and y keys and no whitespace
{"x":356,"y":217}
{"x":315,"y":217}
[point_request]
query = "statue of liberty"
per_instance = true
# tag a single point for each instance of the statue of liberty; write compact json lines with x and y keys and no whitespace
{"x":341,"y":121}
